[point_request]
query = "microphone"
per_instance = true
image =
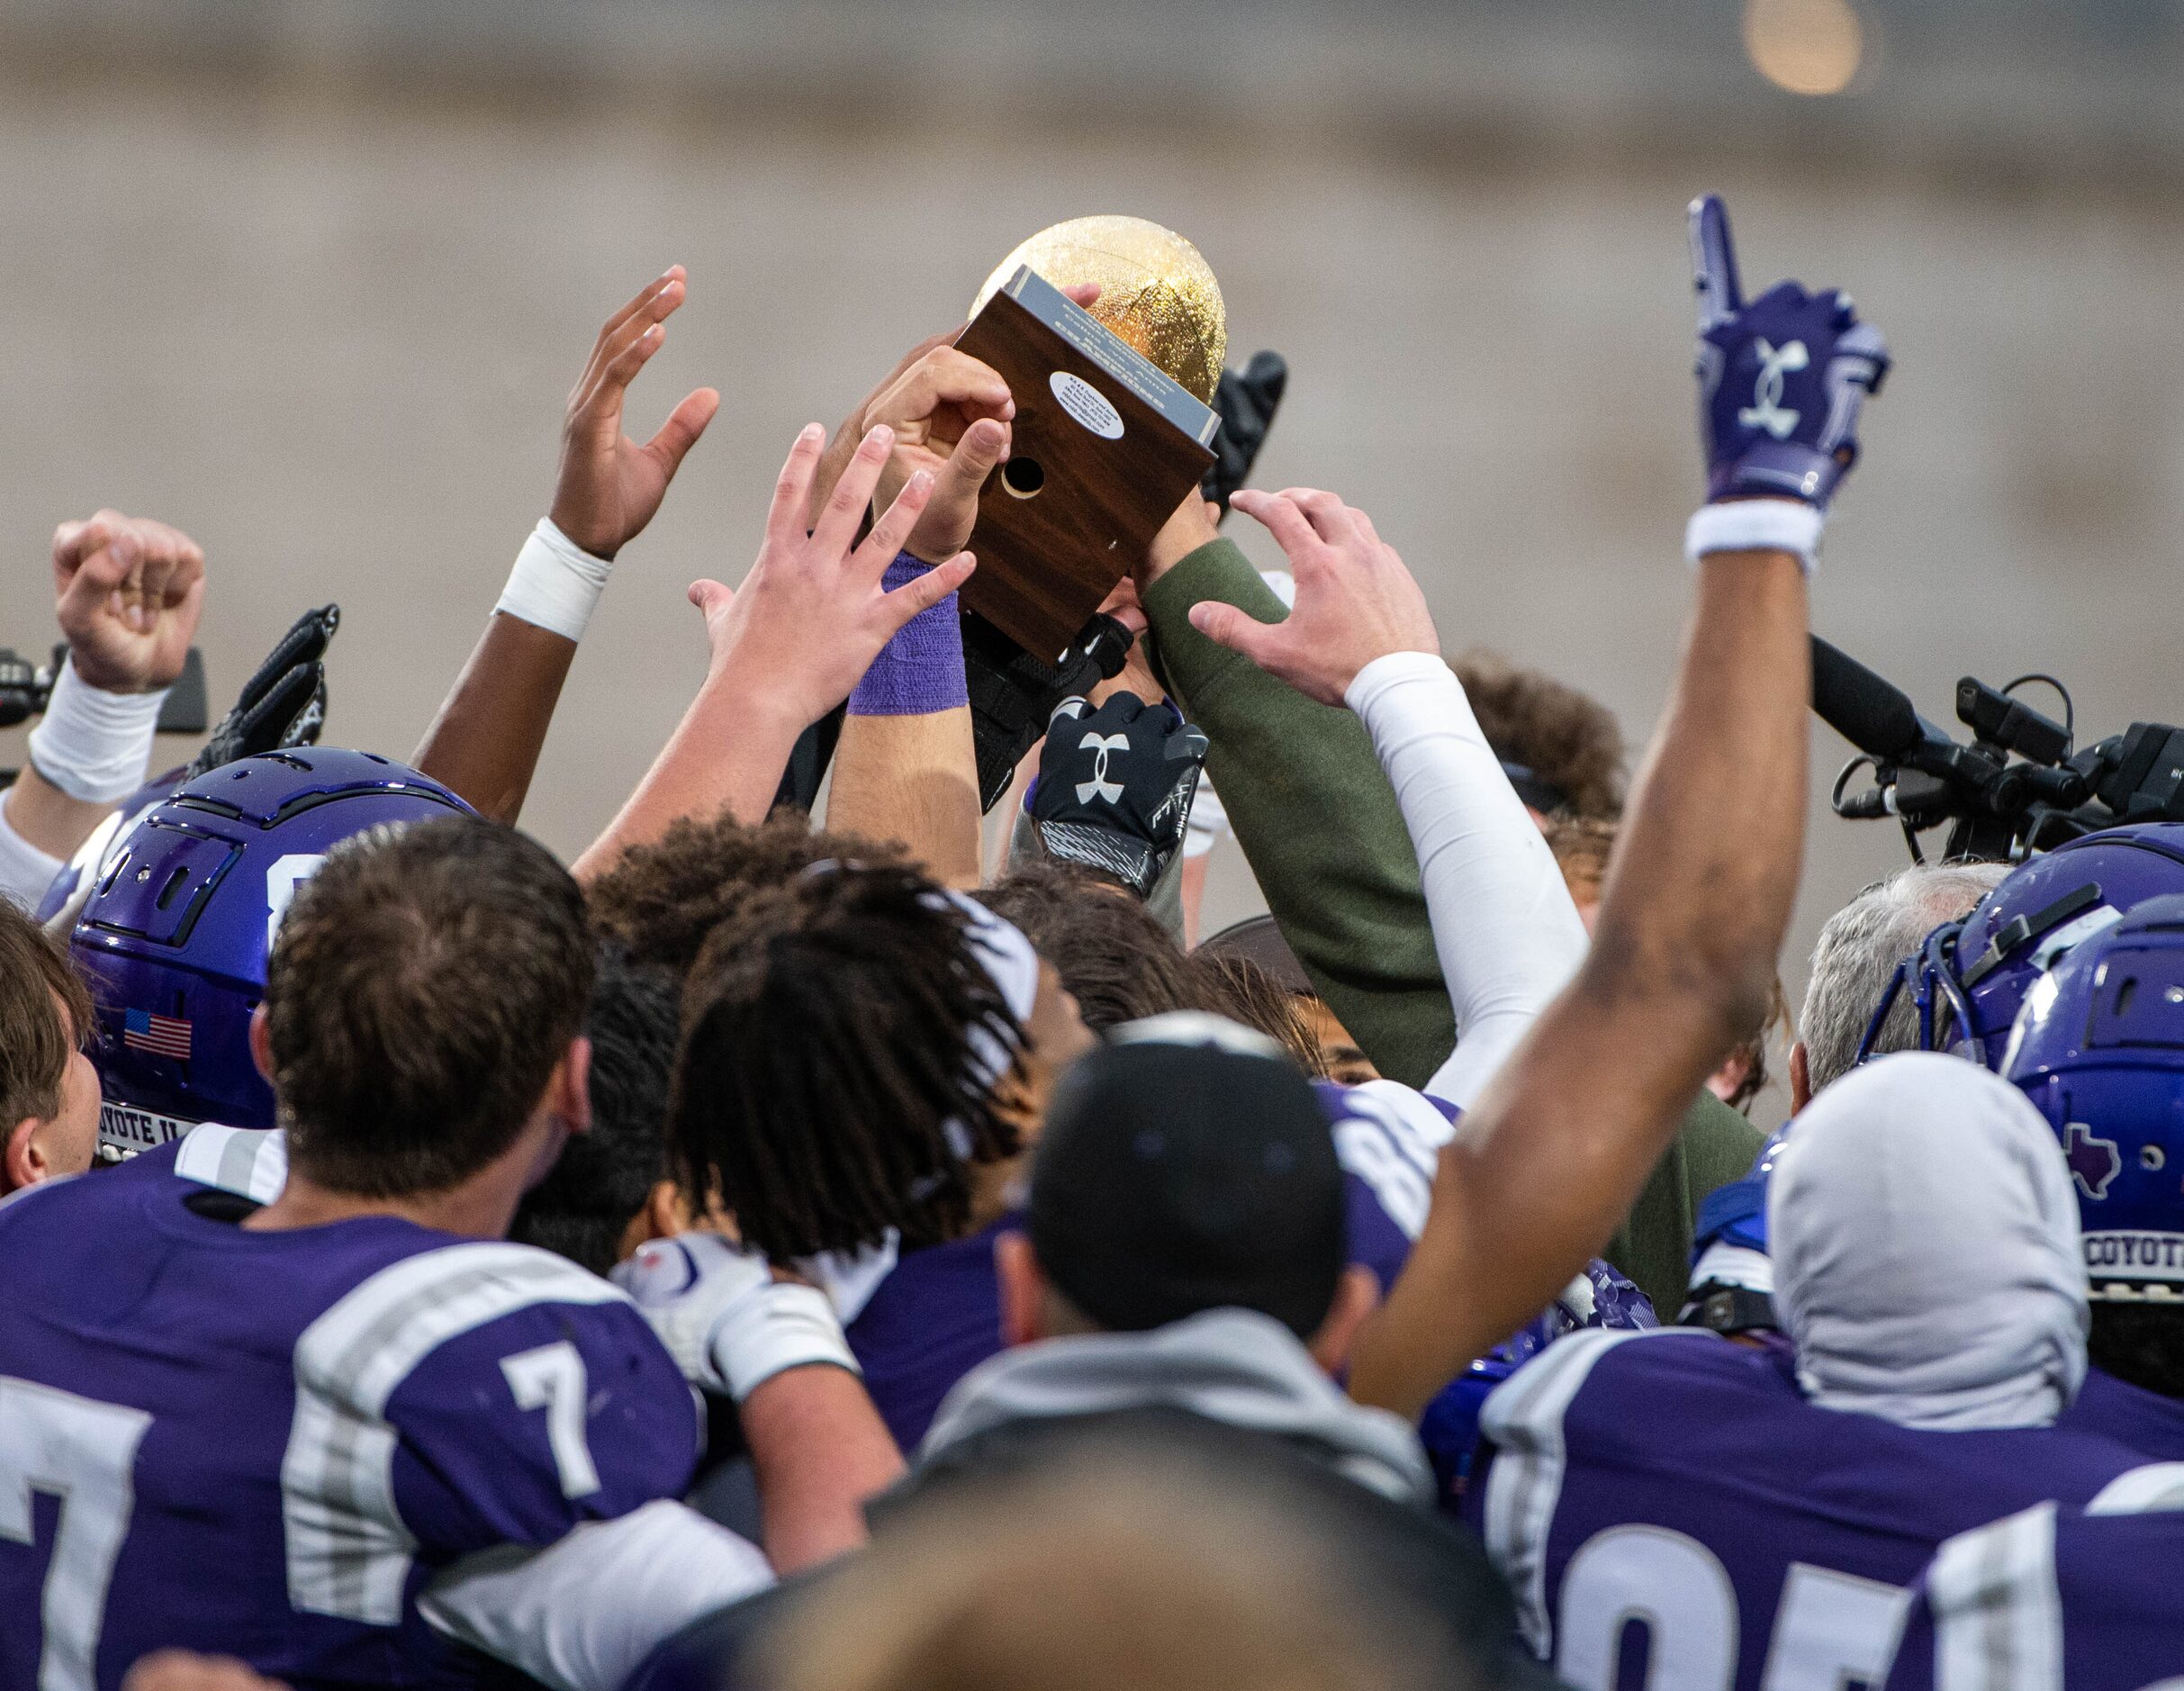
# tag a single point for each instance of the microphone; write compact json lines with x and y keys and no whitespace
{"x":1871,"y":712}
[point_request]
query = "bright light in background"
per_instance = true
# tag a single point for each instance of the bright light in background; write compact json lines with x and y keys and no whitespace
{"x":1806,"y":46}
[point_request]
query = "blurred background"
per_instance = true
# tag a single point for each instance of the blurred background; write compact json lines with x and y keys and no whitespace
{"x":310,"y":278}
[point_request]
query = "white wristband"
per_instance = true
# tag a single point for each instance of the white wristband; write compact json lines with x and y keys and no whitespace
{"x":781,"y":1326}
{"x":90,"y":744}
{"x":1756,"y":525}
{"x":556,"y":583}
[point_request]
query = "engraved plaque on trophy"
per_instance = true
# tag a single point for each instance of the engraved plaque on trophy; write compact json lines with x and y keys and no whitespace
{"x":1104,"y":447}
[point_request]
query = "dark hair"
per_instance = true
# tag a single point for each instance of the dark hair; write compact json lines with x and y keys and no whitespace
{"x":827,"y":1089}
{"x":36,"y":1041}
{"x":1258,"y":1001}
{"x":426,"y":982}
{"x":1569,"y":740}
{"x":2141,"y":1345}
{"x":584,"y":1206}
{"x":1122,"y":964}
{"x":661,"y":900}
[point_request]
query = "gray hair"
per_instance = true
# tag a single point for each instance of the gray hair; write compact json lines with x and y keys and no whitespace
{"x":1858,"y":951}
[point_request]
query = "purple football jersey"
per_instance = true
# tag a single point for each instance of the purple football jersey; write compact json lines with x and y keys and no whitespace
{"x":937,"y":1315}
{"x":2149,"y":1423}
{"x":1669,"y":1497}
{"x":264,"y":1444}
{"x":2047,"y":1600}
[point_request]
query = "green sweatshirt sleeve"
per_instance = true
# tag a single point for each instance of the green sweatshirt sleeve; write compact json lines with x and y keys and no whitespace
{"x":1316,"y":818}
{"x":1324,"y":834}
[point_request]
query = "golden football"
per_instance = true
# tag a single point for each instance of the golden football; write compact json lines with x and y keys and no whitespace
{"x":1156,"y":291}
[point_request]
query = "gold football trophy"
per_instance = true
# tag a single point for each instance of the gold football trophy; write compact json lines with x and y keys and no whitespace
{"x":1112,"y":427}
{"x":1157,"y":292}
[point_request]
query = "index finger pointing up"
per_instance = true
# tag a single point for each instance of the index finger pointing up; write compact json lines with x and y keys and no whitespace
{"x":1713,"y":261}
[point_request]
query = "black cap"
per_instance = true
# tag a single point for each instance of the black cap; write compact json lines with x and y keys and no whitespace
{"x":1187,"y":1167}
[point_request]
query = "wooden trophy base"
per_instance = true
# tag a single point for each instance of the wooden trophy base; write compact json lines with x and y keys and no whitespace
{"x":1104,"y":446}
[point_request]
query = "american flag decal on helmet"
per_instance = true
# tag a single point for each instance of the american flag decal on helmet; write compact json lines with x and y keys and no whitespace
{"x":162,"y":1036}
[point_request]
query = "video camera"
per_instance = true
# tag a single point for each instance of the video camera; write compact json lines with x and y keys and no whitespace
{"x":2016,"y":789}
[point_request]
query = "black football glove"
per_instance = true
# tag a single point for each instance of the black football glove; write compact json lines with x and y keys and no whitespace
{"x":282,"y":704}
{"x":1012,"y":694}
{"x":1114,"y":787}
{"x":1246,"y":401}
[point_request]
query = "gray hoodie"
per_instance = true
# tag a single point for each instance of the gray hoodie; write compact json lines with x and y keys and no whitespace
{"x":1232,"y":1366}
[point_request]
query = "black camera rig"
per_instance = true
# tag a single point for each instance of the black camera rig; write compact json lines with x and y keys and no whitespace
{"x":2017,"y":788}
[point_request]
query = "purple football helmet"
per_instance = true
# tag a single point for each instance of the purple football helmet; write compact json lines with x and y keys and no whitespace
{"x":174,"y":934}
{"x":1969,"y":978}
{"x":2099,"y":1048}
{"x":1449,"y":1428}
{"x":63,"y":900}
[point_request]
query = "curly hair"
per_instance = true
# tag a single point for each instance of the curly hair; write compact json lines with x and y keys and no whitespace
{"x":1581,"y":847}
{"x":661,"y":900}
{"x":833,"y":1076}
{"x":1568,"y":739}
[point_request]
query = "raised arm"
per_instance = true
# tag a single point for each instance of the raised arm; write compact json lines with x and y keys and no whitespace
{"x":1699,"y":892}
{"x":906,"y":768}
{"x":1507,"y":935}
{"x":787,"y":646}
{"x":485,"y":740}
{"x":1311,"y":810}
{"x":128,"y":591}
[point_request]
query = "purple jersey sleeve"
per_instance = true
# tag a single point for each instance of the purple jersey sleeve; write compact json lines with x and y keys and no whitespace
{"x":519,"y":1396}
{"x":2049,"y":1600}
{"x":1388,"y":1139}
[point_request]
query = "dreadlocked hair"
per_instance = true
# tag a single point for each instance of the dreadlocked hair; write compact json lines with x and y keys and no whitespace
{"x":834,"y":1079}
{"x":661,"y":899}
{"x":1121,"y":964}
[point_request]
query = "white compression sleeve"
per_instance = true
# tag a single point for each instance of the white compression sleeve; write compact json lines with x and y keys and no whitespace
{"x":25,"y":871}
{"x":581,"y":1614}
{"x":90,"y":744}
{"x":1507,"y":934}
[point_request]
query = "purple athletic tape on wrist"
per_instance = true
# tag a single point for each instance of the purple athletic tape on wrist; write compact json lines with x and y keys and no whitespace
{"x":920,"y":672}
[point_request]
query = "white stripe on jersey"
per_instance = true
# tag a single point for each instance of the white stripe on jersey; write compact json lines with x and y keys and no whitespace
{"x":2156,"y":1486}
{"x":1390,"y":1137}
{"x":1998,"y":1614}
{"x":252,"y":1163}
{"x":1523,"y":1418}
{"x":348,"y":1552}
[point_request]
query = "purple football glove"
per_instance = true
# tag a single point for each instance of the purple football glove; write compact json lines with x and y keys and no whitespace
{"x":1780,"y":380}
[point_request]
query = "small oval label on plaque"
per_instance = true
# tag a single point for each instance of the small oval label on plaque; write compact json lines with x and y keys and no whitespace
{"x":1086,"y":405}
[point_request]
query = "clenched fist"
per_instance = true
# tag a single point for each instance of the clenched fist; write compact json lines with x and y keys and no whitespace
{"x":130,"y":590}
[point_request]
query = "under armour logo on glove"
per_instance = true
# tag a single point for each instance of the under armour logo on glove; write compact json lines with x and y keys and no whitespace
{"x":1100,"y":745}
{"x":1114,"y":787}
{"x":1765,"y":411}
{"x":1781,"y":380}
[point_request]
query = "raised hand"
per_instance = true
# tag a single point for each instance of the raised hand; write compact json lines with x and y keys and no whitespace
{"x":1781,"y":380}
{"x":1115,"y":786}
{"x":811,"y":615}
{"x":283,"y":703}
{"x":1355,"y":601}
{"x":950,"y":415}
{"x":129,"y":591}
{"x":609,"y":486}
